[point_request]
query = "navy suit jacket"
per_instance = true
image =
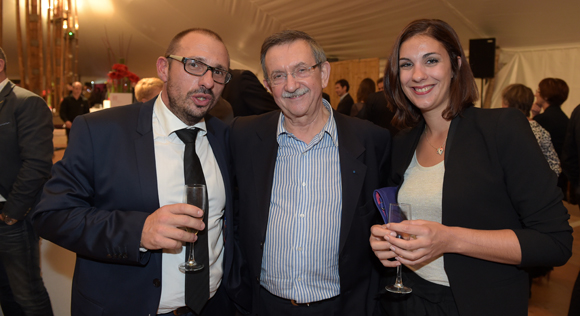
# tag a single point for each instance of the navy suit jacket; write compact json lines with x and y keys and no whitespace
{"x":364,"y":152}
{"x":345,"y":105}
{"x":96,"y":204}
{"x":25,"y":148}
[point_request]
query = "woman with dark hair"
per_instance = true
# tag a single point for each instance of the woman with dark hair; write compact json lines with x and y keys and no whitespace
{"x":521,"y":97}
{"x":479,"y":215}
{"x":551,"y":93}
{"x":366,"y":87}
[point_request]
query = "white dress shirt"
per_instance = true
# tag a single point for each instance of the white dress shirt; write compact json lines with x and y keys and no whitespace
{"x":169,"y":151}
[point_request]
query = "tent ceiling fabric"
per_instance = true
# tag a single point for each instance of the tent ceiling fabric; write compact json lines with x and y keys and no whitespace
{"x":347,"y":29}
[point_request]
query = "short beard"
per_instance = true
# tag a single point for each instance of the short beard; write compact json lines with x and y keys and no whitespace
{"x":184,"y":108}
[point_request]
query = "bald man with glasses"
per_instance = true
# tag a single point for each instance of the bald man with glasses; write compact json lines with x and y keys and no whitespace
{"x":117,"y":196}
{"x":305,"y":177}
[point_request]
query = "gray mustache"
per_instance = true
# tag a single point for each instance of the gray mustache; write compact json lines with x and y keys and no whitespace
{"x":297,"y":93}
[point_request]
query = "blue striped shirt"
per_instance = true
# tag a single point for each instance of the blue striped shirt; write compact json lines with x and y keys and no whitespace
{"x":300,"y":260}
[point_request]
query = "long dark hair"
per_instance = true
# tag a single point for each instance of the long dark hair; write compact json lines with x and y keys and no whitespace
{"x":463,"y":90}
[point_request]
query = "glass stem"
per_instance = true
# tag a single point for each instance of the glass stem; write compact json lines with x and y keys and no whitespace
{"x":399,"y":280}
{"x":191,"y":253}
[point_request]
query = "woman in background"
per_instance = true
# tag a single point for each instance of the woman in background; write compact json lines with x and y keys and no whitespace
{"x":550,"y":95}
{"x":521,"y":97}
{"x":479,"y":214}
{"x":366,"y":87}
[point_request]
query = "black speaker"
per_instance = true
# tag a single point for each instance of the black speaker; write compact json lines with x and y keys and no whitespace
{"x":482,"y":57}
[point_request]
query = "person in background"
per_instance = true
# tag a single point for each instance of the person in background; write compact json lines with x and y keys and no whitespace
{"x":478,"y":214}
{"x":550,"y":95}
{"x":246,"y":95}
{"x":521,"y":97}
{"x":571,"y":167}
{"x":341,"y":88}
{"x":72,"y":106}
{"x":26,"y":158}
{"x":380,"y":84}
{"x":305,"y":178}
{"x":148,"y":88}
{"x":365,"y":88}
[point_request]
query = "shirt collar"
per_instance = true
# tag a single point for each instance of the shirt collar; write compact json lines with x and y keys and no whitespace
{"x":329,"y":127}
{"x":3,"y":84}
{"x":343,"y":96}
{"x":170,"y":123}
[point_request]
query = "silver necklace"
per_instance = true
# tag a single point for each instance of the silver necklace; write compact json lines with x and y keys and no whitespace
{"x":439,"y":150}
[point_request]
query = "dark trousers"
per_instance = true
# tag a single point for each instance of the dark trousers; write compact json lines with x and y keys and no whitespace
{"x":575,"y":300}
{"x":220,"y":304}
{"x":427,"y":299}
{"x":22,"y":291}
{"x":272,"y":305}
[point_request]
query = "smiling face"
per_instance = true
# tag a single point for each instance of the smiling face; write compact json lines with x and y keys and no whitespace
{"x":425,"y":73}
{"x":296,"y":98}
{"x":340,"y":90}
{"x":187,"y":96}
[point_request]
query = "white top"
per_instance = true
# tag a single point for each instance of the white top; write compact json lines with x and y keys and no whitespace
{"x":169,"y":150}
{"x":423,"y":189}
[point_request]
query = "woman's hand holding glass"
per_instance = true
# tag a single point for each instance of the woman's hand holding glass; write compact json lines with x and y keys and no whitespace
{"x":429,"y":240}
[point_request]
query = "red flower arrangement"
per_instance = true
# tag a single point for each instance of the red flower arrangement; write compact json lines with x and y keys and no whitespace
{"x":121,"y":77}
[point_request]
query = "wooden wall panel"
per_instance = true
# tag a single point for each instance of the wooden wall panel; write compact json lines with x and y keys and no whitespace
{"x":354,"y":71}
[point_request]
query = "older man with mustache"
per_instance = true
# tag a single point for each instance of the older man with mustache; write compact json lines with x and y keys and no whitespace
{"x":305,"y":177}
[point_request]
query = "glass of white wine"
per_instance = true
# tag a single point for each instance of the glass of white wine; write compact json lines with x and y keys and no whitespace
{"x":195,"y":194}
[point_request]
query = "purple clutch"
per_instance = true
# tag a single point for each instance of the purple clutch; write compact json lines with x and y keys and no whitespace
{"x":383,"y":197}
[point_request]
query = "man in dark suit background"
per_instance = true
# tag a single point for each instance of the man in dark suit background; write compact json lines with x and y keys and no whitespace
{"x":247,"y":95}
{"x":116,"y":197}
{"x":73,"y":105}
{"x":341,"y":88}
{"x":305,"y":180}
{"x":25,"y":161}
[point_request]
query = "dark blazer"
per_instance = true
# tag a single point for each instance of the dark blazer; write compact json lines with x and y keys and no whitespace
{"x":571,"y":151}
{"x":345,"y":105}
{"x":555,"y":121}
{"x":96,"y":204}
{"x":26,"y":148}
{"x":496,"y":177}
{"x":376,"y":110}
{"x":363,"y":151}
{"x":247,"y":95}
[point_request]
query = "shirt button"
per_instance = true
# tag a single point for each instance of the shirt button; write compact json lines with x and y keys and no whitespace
{"x":302,"y":215}
{"x":303,"y":184}
{"x":299,"y":248}
{"x":299,"y":279}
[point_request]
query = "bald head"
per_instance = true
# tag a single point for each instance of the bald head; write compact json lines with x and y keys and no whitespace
{"x":148,"y":88}
{"x":77,"y":89}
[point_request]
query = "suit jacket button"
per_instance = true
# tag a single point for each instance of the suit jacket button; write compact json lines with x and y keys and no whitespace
{"x":109,"y":256}
{"x":258,"y":280}
{"x":262,"y":245}
{"x":156,"y":282}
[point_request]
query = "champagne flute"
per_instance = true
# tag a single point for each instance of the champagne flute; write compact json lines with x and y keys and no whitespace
{"x":196,"y":195}
{"x":398,"y":213}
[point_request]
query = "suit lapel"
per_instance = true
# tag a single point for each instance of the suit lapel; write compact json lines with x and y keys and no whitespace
{"x":145,"y":154}
{"x":352,"y":172}
{"x":266,"y":147}
{"x":5,"y":92}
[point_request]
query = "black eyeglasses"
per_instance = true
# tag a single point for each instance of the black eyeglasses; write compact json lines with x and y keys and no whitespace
{"x":198,"y":68}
